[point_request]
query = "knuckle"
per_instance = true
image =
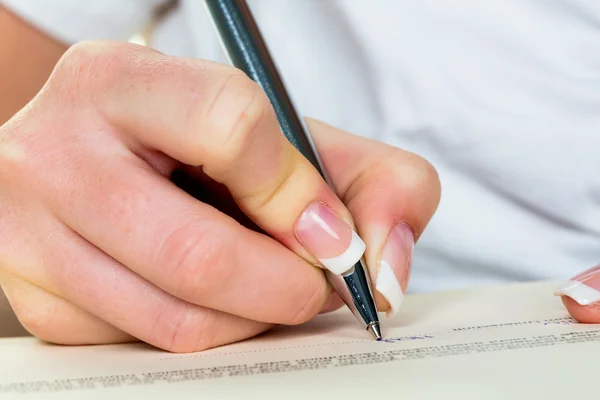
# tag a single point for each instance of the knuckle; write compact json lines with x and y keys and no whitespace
{"x":414,"y":170}
{"x":90,"y":64}
{"x":196,"y":256}
{"x":233,"y":115}
{"x":73,"y":62}
{"x":90,"y":53}
{"x":399,"y":171}
{"x":269,"y":199}
{"x":185,"y":331}
{"x":309,"y":304}
{"x":80,"y":54}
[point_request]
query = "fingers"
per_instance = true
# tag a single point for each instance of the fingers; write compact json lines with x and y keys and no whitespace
{"x":185,"y":247}
{"x":392,"y":195}
{"x":84,"y":276}
{"x":56,"y":320}
{"x":581,"y":296}
{"x":210,"y":115}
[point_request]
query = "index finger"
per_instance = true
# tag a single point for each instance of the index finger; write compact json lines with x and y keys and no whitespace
{"x":211,"y":115}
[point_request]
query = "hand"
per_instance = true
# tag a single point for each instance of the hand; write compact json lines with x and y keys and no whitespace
{"x":98,"y":245}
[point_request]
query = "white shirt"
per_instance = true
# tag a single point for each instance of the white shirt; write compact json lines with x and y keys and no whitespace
{"x":502,"y":97}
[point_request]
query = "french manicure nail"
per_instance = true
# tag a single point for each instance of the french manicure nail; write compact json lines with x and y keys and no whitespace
{"x":583,"y":288}
{"x":395,"y":261}
{"x":329,"y":238}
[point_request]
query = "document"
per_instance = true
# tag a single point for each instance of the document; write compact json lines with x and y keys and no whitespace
{"x":495,"y":342}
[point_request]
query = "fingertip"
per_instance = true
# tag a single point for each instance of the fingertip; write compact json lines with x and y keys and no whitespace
{"x":581,"y":295}
{"x":589,"y":314}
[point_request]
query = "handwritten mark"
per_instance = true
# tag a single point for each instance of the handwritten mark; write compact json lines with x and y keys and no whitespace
{"x":405,"y":338}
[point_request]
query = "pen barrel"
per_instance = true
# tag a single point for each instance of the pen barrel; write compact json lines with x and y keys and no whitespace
{"x":246,"y":49}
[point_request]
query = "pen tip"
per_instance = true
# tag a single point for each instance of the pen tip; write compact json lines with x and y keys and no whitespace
{"x":375,"y":330}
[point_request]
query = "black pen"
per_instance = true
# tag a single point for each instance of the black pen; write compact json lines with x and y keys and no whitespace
{"x":246,"y":50}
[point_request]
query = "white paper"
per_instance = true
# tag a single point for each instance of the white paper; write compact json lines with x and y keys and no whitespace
{"x":496,"y":342}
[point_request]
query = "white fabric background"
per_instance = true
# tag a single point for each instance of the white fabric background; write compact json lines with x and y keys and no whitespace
{"x":502,"y":97}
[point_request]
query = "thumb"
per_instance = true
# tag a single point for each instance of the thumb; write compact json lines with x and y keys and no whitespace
{"x":581,"y":295}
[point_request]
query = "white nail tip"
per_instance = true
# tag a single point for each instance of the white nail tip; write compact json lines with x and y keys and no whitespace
{"x":580,"y":292}
{"x":387,"y":284}
{"x":342,"y":263}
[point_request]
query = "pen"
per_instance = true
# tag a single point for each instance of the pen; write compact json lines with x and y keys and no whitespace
{"x":245,"y":48}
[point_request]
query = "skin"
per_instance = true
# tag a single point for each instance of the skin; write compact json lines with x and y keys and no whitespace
{"x":27,"y":57}
{"x":98,"y":244}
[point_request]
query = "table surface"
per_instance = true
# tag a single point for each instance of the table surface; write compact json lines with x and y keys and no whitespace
{"x":9,"y":325}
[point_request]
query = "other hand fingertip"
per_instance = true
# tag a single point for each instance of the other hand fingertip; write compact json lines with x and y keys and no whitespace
{"x":581,"y":295}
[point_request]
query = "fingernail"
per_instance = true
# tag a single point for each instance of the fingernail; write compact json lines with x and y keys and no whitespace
{"x":395,"y":261}
{"x":329,"y":238}
{"x":583,"y":288}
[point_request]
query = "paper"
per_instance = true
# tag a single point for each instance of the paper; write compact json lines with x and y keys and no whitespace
{"x":496,"y":342}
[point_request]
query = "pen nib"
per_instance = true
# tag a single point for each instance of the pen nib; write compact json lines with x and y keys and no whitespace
{"x":375,"y":331}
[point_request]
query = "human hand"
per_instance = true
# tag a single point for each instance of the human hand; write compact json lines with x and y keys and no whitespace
{"x":98,"y":245}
